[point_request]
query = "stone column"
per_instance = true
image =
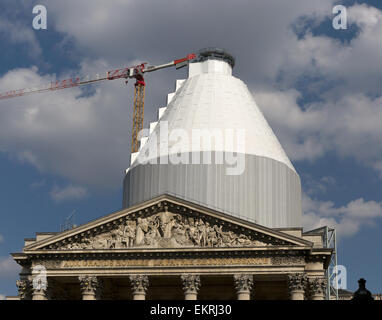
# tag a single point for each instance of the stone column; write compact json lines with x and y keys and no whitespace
{"x":317,"y":288}
{"x":24,"y":287}
{"x":296,"y":285}
{"x":39,"y":293}
{"x":139,"y":284}
{"x":243,"y":285}
{"x":191,"y":285}
{"x":40,"y":287}
{"x":90,"y":287}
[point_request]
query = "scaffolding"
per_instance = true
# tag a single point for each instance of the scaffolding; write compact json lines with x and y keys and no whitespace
{"x":329,"y":241}
{"x":68,"y":223}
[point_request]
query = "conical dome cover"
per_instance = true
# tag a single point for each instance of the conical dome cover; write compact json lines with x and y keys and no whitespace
{"x":216,"y":106}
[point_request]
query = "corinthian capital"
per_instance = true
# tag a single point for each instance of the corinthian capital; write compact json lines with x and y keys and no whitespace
{"x":317,"y":286}
{"x":243,"y":282}
{"x":90,"y":285}
{"x":297,"y":282}
{"x":24,"y":287}
{"x":139,"y":283}
{"x":191,"y":283}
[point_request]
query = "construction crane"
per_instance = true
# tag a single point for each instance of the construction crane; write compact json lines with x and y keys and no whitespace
{"x":137,"y":72}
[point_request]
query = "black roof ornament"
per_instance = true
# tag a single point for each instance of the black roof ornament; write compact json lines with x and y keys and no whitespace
{"x":362,"y":294}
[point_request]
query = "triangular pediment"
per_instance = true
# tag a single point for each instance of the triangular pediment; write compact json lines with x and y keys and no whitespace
{"x":166,"y":222}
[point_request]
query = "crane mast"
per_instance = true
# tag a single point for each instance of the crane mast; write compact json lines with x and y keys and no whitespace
{"x":135,"y":72}
{"x":139,"y":105}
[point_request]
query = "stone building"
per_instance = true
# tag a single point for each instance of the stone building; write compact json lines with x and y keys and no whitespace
{"x":191,"y":230}
{"x":348,"y":295}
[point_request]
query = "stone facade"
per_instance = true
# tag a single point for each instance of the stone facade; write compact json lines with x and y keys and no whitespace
{"x":175,"y":247}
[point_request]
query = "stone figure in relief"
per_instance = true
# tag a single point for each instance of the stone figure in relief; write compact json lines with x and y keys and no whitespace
{"x":101,"y":243}
{"x":142,"y":229}
{"x":192,"y":232}
{"x":129,"y":233}
{"x":164,"y":230}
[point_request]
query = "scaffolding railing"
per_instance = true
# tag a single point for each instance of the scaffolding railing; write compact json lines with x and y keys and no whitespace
{"x":329,"y":240}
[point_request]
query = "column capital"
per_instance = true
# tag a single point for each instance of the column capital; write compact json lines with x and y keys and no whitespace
{"x":243,"y":285}
{"x":90,"y":287}
{"x":317,"y":288}
{"x":139,"y":283}
{"x":297,"y":283}
{"x":191,"y":283}
{"x":243,"y":282}
{"x":24,"y":287}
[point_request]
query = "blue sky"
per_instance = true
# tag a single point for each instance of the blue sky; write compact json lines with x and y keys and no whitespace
{"x":319,"y":88}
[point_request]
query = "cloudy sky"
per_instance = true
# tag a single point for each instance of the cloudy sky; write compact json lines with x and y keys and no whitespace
{"x":65,"y":152}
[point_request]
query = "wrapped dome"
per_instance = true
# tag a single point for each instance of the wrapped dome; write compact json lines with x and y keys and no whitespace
{"x":211,"y":100}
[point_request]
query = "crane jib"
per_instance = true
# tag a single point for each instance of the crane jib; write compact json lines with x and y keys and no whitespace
{"x":67,"y":83}
{"x":130,"y":72}
{"x":13,"y":93}
{"x":136,"y":72}
{"x":118,"y":73}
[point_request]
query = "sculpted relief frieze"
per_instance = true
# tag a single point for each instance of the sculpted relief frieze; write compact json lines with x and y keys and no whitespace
{"x":164,"y":230}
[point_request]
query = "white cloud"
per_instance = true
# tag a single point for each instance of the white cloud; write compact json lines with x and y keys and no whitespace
{"x":296,"y":129}
{"x":349,"y":66}
{"x":347,"y":118}
{"x":163,"y":29}
{"x":83,"y":138}
{"x":70,"y":192}
{"x":8,"y":268}
{"x":263,"y":57}
{"x":313,"y":186}
{"x":18,"y":33}
{"x":350,"y":126}
{"x":347,"y":220}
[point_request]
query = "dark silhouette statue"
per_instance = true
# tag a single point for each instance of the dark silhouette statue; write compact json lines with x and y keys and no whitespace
{"x":362,"y":294}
